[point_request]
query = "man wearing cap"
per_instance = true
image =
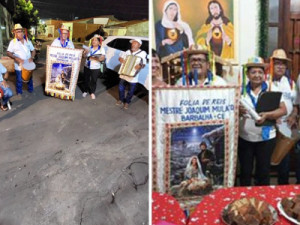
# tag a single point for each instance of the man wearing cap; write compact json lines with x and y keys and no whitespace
{"x":283,"y":82}
{"x":63,"y":39}
{"x":127,"y":80}
{"x":256,"y":142}
{"x":7,"y":92}
{"x":199,"y":67}
{"x":21,"y":49}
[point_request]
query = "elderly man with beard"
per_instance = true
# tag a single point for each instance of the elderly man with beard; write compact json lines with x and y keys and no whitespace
{"x":199,"y":67}
{"x":218,"y":32}
{"x":128,"y":80}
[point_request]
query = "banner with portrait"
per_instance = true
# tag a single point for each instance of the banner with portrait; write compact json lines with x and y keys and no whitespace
{"x":194,"y":140}
{"x":62,"y":69}
{"x":179,"y":24}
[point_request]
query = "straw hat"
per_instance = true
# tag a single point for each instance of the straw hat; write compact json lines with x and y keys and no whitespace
{"x":280,"y":54}
{"x":63,"y":27}
{"x":17,"y":27}
{"x":197,"y":49}
{"x":256,"y":62}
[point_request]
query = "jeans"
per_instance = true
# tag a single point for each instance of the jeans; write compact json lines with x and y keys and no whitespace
{"x":7,"y":94}
{"x":283,"y":170}
{"x":259,"y":151}
{"x":122,"y":87}
{"x":19,"y":84}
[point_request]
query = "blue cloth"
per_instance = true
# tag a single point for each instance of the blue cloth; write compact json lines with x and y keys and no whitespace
{"x":19,"y":84}
{"x":122,"y":87}
{"x":7,"y":94}
{"x":160,"y":34}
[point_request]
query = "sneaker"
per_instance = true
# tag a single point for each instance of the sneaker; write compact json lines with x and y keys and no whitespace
{"x":119,"y":103}
{"x":93,"y":96}
{"x":126,"y":105}
{"x":84,"y":94}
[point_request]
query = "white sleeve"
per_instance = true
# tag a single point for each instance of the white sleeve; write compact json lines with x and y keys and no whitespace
{"x":71,"y":44}
{"x":11,"y":47}
{"x":2,"y":69}
{"x":102,"y":51}
{"x":30,"y":46}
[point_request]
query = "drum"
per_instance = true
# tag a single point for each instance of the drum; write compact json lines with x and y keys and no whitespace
{"x":128,"y":68}
{"x":283,"y":146}
{"x":27,"y":69}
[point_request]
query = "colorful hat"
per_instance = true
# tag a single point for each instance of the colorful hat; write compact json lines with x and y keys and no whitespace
{"x":256,"y":62}
{"x":280,"y":54}
{"x":63,"y":27}
{"x":17,"y":27}
{"x":197,"y":49}
{"x":137,"y":40}
{"x":96,"y":36}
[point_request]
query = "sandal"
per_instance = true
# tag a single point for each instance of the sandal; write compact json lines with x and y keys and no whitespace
{"x":4,"y":108}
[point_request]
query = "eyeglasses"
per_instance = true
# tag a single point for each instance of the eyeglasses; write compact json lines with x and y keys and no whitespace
{"x":65,"y":33}
{"x":279,"y":63}
{"x":19,"y":31}
{"x":200,"y":60}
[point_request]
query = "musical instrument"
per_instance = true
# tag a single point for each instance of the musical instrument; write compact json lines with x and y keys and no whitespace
{"x":8,"y":63}
{"x":27,"y":69}
{"x":285,"y":140}
{"x":128,"y":68}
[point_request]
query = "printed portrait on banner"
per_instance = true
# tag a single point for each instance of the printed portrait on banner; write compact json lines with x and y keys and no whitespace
{"x":63,"y":65}
{"x":196,"y":158}
{"x":194,"y":140}
{"x":211,"y":23}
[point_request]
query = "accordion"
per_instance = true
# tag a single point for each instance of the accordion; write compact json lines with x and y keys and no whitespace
{"x":128,"y":68}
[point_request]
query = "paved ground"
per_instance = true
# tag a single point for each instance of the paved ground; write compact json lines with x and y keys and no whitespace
{"x":62,"y":160}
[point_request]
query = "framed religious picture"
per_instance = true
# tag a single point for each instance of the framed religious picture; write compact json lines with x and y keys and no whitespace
{"x":63,"y":65}
{"x":194,"y":140}
{"x":211,"y":23}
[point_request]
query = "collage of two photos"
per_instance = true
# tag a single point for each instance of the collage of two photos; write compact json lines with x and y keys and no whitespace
{"x":162,"y":112}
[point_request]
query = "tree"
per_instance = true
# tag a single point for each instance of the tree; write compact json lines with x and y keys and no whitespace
{"x":25,"y":14}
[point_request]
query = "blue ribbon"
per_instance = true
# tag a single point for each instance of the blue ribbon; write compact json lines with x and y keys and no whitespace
{"x":65,"y":44}
{"x":93,"y":53}
{"x":182,"y":67}
{"x":265,"y":129}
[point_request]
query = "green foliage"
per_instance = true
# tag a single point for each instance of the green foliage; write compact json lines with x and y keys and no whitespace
{"x":25,"y":14}
{"x":263,"y":28}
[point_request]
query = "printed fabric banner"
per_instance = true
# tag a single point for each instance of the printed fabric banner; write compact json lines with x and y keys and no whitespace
{"x":194,"y":143}
{"x":63,"y":65}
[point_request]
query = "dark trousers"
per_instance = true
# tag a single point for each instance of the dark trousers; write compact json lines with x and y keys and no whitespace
{"x":122,"y":87}
{"x":297,"y":152}
{"x":19,"y":84}
{"x":90,"y":80}
{"x":284,"y":170}
{"x":261,"y":152}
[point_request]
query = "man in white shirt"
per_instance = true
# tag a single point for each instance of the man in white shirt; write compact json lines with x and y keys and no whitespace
{"x":199,"y":67}
{"x":287,"y":86}
{"x":21,"y":49}
{"x":128,"y":80}
{"x":63,"y":39}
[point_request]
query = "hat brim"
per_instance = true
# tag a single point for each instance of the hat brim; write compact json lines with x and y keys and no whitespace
{"x":200,"y":51}
{"x":263,"y":65}
{"x":285,"y":59}
{"x":135,"y":41}
{"x":13,"y":30}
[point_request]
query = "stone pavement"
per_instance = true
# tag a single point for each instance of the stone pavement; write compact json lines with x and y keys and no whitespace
{"x":62,"y":160}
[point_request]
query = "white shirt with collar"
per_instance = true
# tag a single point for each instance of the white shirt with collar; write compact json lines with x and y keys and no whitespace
{"x":56,"y":43}
{"x":94,"y":64}
{"x":22,"y":51}
{"x":217,"y":80}
{"x":139,"y":53}
{"x":297,"y":101}
{"x":247,"y":128}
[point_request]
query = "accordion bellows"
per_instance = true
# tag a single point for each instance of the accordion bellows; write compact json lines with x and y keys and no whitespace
{"x":128,"y":68}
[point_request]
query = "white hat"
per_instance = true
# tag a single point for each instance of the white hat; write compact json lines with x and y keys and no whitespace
{"x":137,"y":40}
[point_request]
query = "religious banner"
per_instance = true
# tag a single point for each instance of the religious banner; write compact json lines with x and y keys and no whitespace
{"x":63,"y":65}
{"x":194,"y":143}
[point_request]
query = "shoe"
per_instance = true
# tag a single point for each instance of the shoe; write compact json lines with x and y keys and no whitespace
{"x":84,"y":94}
{"x":4,"y":107}
{"x":93,"y":96}
{"x":126,"y":105}
{"x":119,"y":103}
